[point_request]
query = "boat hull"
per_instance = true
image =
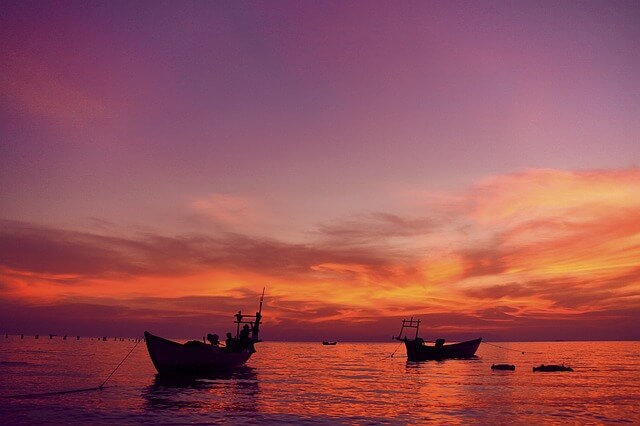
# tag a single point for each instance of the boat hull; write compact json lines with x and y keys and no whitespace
{"x":418,"y":351}
{"x":170,"y":357}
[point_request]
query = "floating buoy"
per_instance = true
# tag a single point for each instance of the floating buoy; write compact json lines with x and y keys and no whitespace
{"x":506,"y":367}
{"x":552,"y":368}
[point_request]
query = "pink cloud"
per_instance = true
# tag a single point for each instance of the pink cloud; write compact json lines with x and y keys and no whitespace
{"x":231,"y":211}
{"x":35,"y":88}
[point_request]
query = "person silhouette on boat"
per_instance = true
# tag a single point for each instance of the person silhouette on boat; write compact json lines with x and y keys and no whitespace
{"x":230,"y":343}
{"x":213,"y":339}
{"x":244,"y":336}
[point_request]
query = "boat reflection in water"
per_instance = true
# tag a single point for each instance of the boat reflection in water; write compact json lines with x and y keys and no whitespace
{"x":234,"y":390}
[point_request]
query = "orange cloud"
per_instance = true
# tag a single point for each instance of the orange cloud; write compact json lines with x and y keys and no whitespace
{"x":512,"y":255}
{"x":532,"y":194}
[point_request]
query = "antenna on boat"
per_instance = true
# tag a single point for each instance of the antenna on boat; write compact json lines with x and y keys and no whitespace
{"x":256,"y":326}
{"x":261,"y":300}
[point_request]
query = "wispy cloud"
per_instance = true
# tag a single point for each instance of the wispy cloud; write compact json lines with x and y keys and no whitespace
{"x":230,"y":211}
{"x":374,"y":228}
{"x":30,"y":85}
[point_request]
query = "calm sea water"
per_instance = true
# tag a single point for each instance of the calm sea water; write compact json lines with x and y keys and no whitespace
{"x":307,"y":383}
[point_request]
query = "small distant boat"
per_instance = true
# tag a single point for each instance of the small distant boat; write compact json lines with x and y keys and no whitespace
{"x":417,"y":350}
{"x":327,"y":343}
{"x":195,"y":357}
{"x":505,"y":367}
{"x":552,"y":368}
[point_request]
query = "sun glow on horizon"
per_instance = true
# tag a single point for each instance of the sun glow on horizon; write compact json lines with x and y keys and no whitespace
{"x":544,"y":262}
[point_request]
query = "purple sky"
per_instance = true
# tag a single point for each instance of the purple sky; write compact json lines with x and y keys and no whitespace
{"x":285,"y":119}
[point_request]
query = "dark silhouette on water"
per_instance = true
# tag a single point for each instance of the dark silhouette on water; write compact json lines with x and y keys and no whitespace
{"x":552,"y":368}
{"x":327,"y":343}
{"x":417,"y":350}
{"x":242,"y":372}
{"x":195,"y":357}
{"x":505,"y":367}
{"x":235,"y":390}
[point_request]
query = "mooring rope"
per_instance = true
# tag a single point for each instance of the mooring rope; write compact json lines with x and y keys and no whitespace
{"x":121,"y":362}
{"x":509,"y":349}
{"x":38,"y":395}
{"x":393,"y":353}
{"x":100,"y":387}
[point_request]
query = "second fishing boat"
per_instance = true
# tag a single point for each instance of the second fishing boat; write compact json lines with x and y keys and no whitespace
{"x":418,"y":350}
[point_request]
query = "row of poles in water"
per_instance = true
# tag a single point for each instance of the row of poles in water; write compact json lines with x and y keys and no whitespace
{"x":104,"y":339}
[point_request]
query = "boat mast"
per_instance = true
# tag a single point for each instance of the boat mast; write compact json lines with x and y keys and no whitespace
{"x":253,"y":320}
{"x":256,"y":327}
{"x":411,"y":323}
{"x":261,"y":300}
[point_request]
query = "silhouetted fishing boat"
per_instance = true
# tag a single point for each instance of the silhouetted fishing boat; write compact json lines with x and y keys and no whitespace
{"x":195,"y":357}
{"x":418,"y":350}
{"x":552,"y":368}
{"x":326,"y":343}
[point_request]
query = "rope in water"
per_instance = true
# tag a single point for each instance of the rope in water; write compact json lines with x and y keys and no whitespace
{"x":509,"y":349}
{"x":100,"y":387}
{"x":38,"y":395}
{"x":397,"y":347}
{"x":121,"y":362}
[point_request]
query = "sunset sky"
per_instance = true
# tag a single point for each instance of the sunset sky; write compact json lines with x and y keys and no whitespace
{"x":473,"y":164}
